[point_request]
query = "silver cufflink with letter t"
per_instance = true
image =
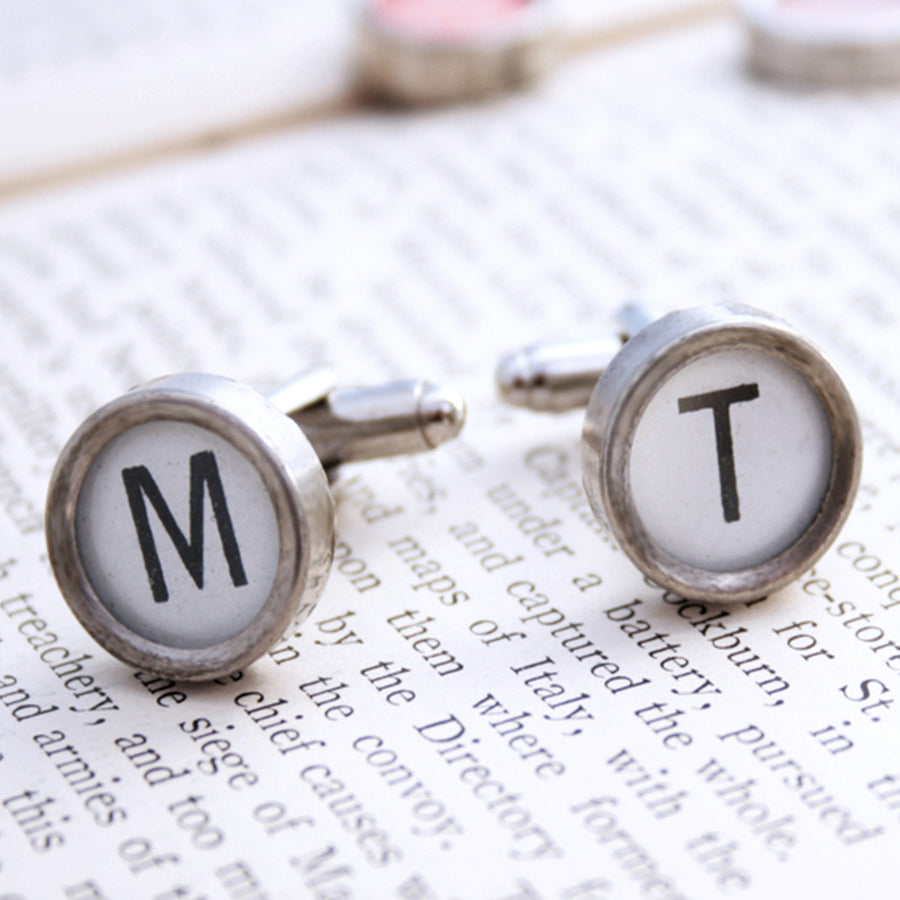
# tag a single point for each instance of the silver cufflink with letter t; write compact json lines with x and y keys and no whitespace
{"x":190,"y":521}
{"x":721,"y":448}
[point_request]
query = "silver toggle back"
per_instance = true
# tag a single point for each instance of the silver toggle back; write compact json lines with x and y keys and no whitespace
{"x":560,"y":376}
{"x":356,"y":423}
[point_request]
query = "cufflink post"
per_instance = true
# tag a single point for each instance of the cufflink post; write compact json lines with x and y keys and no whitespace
{"x":560,"y":376}
{"x":357,"y":423}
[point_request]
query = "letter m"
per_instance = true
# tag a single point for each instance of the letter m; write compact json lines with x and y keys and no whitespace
{"x":311,"y":866}
{"x":140,"y":487}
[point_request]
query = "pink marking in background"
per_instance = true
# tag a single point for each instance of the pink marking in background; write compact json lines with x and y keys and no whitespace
{"x":447,"y":18}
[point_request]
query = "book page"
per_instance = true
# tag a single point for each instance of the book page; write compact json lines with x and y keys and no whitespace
{"x":484,"y":703}
{"x":592,"y":22}
{"x":81,"y":82}
{"x":82,"y":85}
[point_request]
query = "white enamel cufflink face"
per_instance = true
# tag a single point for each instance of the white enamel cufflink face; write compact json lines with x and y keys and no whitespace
{"x":437,"y":51}
{"x":721,"y":448}
{"x":190,"y":522}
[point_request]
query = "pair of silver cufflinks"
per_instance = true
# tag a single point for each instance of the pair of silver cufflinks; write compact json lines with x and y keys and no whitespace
{"x":438,"y":51}
{"x":190,"y":521}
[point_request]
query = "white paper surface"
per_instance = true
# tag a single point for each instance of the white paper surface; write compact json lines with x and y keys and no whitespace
{"x":596,"y":17}
{"x":474,"y":600}
{"x":84,"y":84}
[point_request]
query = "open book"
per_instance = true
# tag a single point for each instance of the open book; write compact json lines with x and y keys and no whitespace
{"x":82,"y":86}
{"x":481,"y":706}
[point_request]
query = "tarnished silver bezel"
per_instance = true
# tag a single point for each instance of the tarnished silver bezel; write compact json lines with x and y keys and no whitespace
{"x":620,"y":398}
{"x":822,"y":47}
{"x":410,"y":69}
{"x":294,"y":480}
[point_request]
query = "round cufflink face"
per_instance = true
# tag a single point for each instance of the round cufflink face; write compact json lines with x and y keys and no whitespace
{"x":188,"y":524}
{"x":434,"y":51}
{"x":448,"y":19}
{"x":723,"y":451}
